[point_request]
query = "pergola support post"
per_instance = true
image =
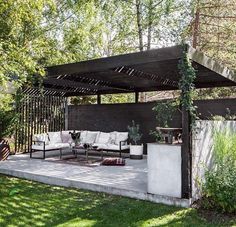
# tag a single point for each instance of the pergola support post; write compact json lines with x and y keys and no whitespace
{"x":99,"y":99}
{"x":66,"y":114}
{"x":186,"y":153}
{"x":136,"y":97}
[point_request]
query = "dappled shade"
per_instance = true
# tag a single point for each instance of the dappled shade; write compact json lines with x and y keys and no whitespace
{"x":26,"y":203}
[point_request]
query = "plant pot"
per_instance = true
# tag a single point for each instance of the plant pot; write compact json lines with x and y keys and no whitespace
{"x":136,"y":151}
{"x":4,"y":149}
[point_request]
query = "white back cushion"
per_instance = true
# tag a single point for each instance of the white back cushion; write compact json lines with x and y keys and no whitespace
{"x":41,"y":137}
{"x":66,"y":137}
{"x":113,"y":136}
{"x":121,"y":136}
{"x":54,"y":137}
{"x":83,"y":135}
{"x":103,"y":138}
{"x":91,"y":137}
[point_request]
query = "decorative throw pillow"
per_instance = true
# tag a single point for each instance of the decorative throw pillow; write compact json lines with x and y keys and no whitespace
{"x":54,"y":137}
{"x":121,"y":136}
{"x":112,"y":139}
{"x":103,"y":138}
{"x":113,"y":162}
{"x":75,"y":136}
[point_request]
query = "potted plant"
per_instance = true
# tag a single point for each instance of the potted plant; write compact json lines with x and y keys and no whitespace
{"x":136,"y":149}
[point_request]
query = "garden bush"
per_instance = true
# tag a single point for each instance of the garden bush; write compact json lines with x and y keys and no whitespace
{"x":219,"y":188}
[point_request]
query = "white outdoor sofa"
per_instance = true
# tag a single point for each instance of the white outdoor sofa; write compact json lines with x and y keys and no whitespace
{"x":103,"y":141}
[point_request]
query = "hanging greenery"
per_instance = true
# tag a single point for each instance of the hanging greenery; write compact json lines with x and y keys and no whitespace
{"x":186,"y":84}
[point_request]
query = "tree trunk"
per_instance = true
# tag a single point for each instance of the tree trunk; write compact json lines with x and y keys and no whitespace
{"x":150,"y":21}
{"x":140,"y":30}
{"x":196,"y":29}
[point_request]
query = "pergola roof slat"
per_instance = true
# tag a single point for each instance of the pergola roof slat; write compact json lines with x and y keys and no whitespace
{"x":152,"y":70}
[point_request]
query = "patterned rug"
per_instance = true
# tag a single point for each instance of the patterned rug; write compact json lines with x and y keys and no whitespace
{"x":79,"y":161}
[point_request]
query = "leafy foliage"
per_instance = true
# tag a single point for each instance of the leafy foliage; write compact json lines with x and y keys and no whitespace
{"x":220,"y":182}
{"x":8,"y":116}
{"x":164,"y":112}
{"x":156,"y":134}
{"x":228,"y":116}
{"x":213,"y":29}
{"x":186,"y":84}
{"x":7,"y":123}
{"x":134,"y":133}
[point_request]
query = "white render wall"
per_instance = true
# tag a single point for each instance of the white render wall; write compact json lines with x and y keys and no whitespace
{"x":164,"y":169}
{"x":202,"y":148}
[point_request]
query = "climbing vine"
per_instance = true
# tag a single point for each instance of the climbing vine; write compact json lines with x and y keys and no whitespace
{"x":186,"y":85}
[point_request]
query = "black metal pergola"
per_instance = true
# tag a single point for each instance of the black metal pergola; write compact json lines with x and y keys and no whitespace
{"x":153,"y":70}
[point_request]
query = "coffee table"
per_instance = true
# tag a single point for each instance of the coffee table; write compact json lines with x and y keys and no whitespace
{"x":86,"y":148}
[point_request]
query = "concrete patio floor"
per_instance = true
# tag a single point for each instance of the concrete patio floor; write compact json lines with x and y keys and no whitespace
{"x":129,"y":180}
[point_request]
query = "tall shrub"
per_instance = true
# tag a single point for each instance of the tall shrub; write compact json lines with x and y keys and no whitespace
{"x":219,"y":189}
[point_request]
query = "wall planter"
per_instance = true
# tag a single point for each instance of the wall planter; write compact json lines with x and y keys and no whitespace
{"x":136,"y":151}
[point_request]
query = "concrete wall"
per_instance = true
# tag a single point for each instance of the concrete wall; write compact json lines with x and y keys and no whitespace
{"x":202,"y":149}
{"x":164,"y":169}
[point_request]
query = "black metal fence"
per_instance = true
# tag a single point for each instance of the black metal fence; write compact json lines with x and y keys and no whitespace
{"x":37,"y":114}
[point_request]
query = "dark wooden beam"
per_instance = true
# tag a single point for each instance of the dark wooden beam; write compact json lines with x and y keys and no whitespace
{"x":186,"y":154}
{"x":89,"y":85}
{"x":158,"y":88}
{"x":136,"y":97}
{"x":99,"y":99}
{"x":214,"y":84}
{"x":101,"y":64}
{"x":212,"y":65}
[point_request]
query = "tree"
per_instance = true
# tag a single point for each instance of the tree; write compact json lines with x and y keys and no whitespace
{"x":23,"y":41}
{"x":213,"y":32}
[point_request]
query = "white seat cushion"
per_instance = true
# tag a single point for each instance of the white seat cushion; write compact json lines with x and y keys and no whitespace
{"x":97,"y":144}
{"x":117,"y":147}
{"x":113,"y":147}
{"x":121,"y":136}
{"x":103,"y":138}
{"x":54,"y":137}
{"x":51,"y":146}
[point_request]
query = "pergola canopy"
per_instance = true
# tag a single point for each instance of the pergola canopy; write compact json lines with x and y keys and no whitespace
{"x":152,"y":70}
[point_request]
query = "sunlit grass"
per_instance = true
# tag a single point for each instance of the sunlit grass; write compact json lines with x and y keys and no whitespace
{"x":26,"y":203}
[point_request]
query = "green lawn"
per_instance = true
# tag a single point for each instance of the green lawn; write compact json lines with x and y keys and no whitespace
{"x":26,"y":203}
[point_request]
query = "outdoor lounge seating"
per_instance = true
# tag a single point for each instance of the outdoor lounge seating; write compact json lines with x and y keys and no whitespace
{"x":105,"y":141}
